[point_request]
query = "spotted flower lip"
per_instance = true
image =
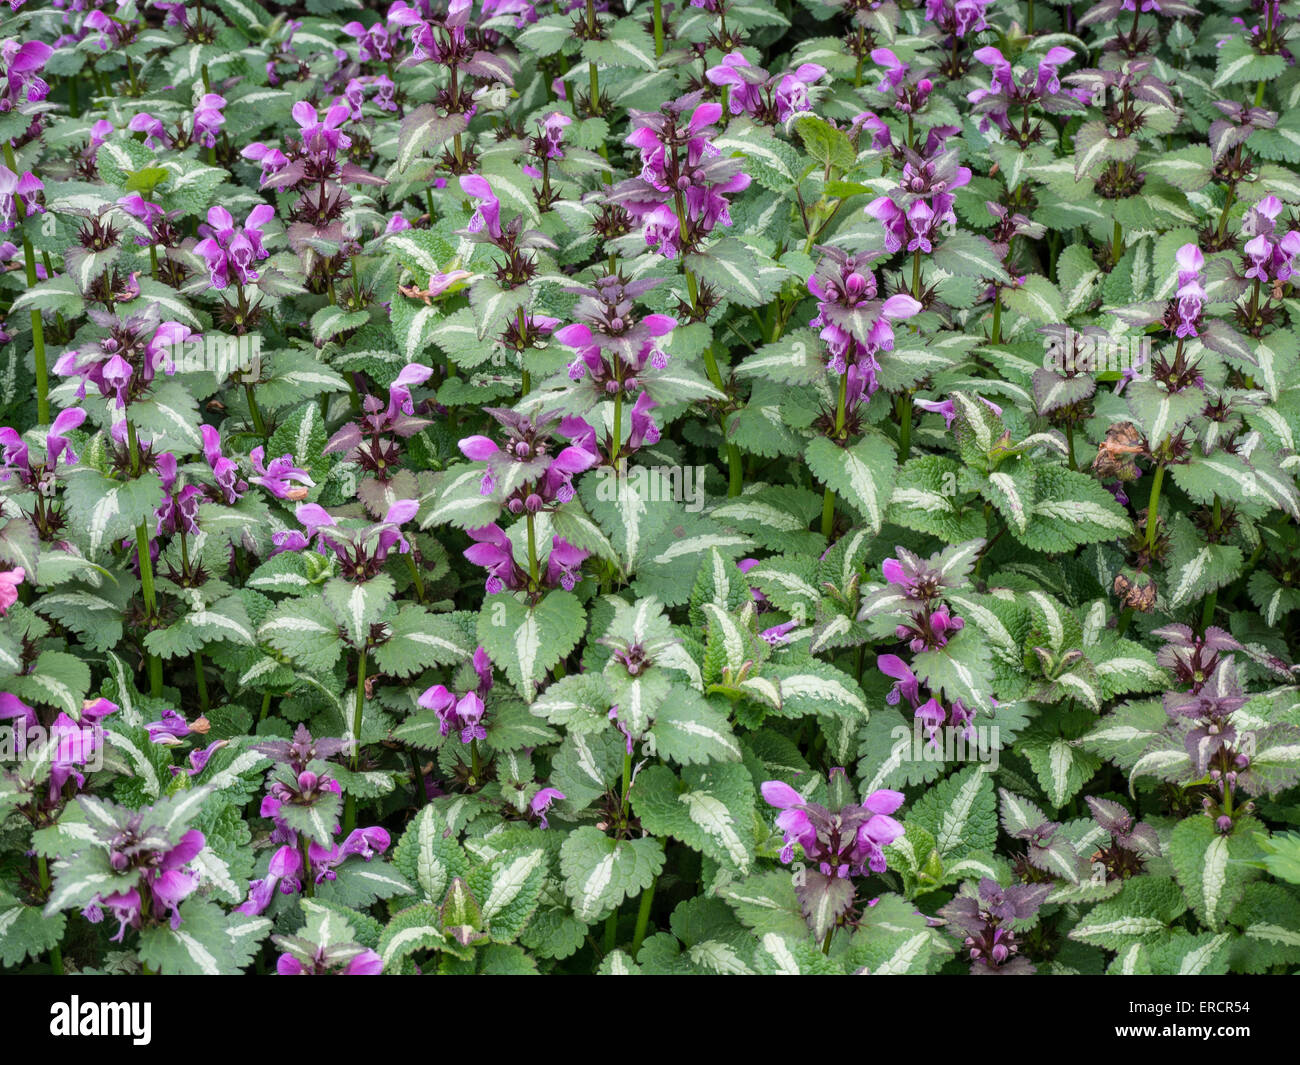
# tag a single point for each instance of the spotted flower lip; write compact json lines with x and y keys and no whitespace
{"x":231,"y":251}
{"x":840,"y":844}
{"x":16,"y":188}
{"x":487,"y":211}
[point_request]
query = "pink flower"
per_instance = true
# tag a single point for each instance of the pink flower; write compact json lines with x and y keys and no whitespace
{"x":9,"y":582}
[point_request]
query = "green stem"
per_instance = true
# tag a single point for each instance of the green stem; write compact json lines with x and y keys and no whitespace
{"x":266,"y":707}
{"x":146,"y":569}
{"x":627,"y":782}
{"x":308,"y":881}
{"x":533,"y":575}
{"x":1153,"y":507}
{"x":1069,"y":440}
{"x":1207,"y":610}
{"x":996,"y":338}
{"x":1117,"y":243}
{"x":611,"y":932}
{"x":659,"y":28}
{"x":354,"y":761}
{"x":43,"y":873}
{"x":735,"y":468}
{"x":415,"y":576}
{"x":643,"y":914}
{"x":826,"y":943}
{"x":475,"y":763}
{"x":828,"y":499}
{"x":201,"y":681}
{"x":616,"y":442}
{"x":594,"y":103}
{"x":711,"y":360}
{"x":904,"y":426}
{"x":1227,"y":206}
{"x":259,"y":426}
{"x":38,"y":327}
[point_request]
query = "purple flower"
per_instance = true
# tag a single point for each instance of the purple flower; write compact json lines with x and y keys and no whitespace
{"x":855,"y":325}
{"x":957,"y":17}
{"x":1268,"y":256}
{"x":487,"y":211}
{"x":564,"y":564}
{"x":840,"y":845}
{"x":493,"y":551}
{"x":1041,"y":87}
{"x":949,"y":412}
{"x":170,"y":729}
{"x":906,"y":685}
{"x":463,"y":714}
{"x":208,"y":119}
{"x":684,"y":179}
{"x":375,"y":43}
{"x":1190,"y":294}
{"x":20,"y":82}
{"x":276,"y":478}
{"x":228,"y":248}
{"x":769,"y":99}
{"x":225,"y":470}
{"x":534,"y":472}
{"x":13,"y":189}
{"x":541,"y":802}
{"x":549,"y":144}
{"x":155,"y":133}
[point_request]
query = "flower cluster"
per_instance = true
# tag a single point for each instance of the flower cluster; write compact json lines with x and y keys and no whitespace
{"x":463,"y":715}
{"x":681,"y":195}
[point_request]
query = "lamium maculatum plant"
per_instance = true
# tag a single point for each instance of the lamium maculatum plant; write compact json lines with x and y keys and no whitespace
{"x":604,"y":487}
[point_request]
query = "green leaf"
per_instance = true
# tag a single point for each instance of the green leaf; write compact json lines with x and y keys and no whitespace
{"x":960,"y":813}
{"x":861,"y":475}
{"x":711,"y":809}
{"x":357,"y":607}
{"x":1211,"y":867}
{"x":1141,"y":913}
{"x":829,"y":146}
{"x":417,"y":640}
{"x":600,"y":872}
{"x":527,"y":641}
{"x":104,"y":510}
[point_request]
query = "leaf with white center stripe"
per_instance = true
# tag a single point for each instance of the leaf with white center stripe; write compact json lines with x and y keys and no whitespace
{"x":359,"y":606}
{"x":960,"y":812}
{"x":418,"y":640}
{"x":711,"y":808}
{"x":862,"y":475}
{"x":1142,"y":913}
{"x":600,"y":872}
{"x":689,"y":730}
{"x":526,"y":641}
{"x":1212,"y":868}
{"x":509,"y":888}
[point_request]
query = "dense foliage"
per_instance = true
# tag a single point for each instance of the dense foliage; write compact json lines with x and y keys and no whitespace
{"x":729,"y":487}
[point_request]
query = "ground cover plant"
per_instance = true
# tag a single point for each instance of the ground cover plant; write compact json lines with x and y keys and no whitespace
{"x":727,"y":487}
